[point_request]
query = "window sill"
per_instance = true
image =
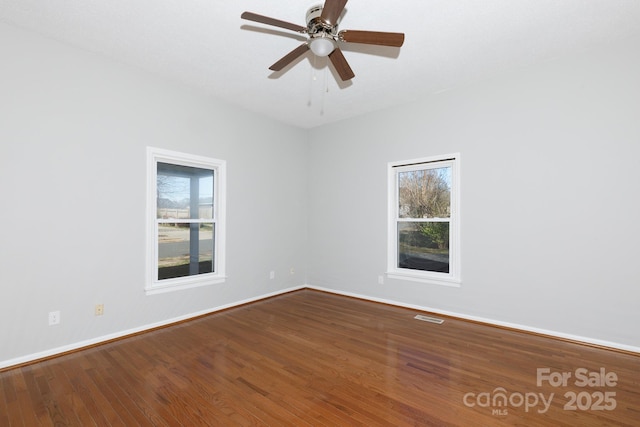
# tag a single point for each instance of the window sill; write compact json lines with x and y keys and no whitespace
{"x":181,"y":285}
{"x":444,"y":281}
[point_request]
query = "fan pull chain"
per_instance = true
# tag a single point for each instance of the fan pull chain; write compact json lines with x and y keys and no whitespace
{"x":314,"y":67}
{"x":311,"y":80}
{"x":325,"y":89}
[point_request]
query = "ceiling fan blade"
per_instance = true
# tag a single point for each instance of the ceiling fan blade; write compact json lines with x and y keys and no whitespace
{"x":250,"y":16}
{"x":341,"y":65}
{"x":290,"y":57}
{"x":332,"y":10}
{"x":372,"y":37}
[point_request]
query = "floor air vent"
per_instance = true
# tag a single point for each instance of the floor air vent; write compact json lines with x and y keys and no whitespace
{"x":429,"y":319}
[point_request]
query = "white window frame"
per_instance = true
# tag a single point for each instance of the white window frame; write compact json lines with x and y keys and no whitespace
{"x":453,"y":278}
{"x":158,"y":155}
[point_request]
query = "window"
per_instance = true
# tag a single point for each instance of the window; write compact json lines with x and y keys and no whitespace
{"x":423,"y":234}
{"x":186,"y":200}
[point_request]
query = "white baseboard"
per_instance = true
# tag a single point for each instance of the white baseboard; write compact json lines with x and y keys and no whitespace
{"x":556,"y":334}
{"x":105,"y":338}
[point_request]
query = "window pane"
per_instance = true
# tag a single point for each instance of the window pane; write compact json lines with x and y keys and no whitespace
{"x":184,"y":192}
{"x":185,"y":250}
{"x":424,"y":193}
{"x":424,"y":246}
{"x":205,"y":198}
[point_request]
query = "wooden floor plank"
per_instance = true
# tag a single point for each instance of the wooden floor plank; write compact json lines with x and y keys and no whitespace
{"x":310,"y":358}
{"x":29,"y":407}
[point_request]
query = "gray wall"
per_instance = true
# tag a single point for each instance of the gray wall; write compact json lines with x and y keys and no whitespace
{"x":73,"y":133}
{"x":550,"y":207}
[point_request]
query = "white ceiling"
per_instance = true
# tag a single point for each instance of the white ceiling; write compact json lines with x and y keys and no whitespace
{"x":448,"y":43}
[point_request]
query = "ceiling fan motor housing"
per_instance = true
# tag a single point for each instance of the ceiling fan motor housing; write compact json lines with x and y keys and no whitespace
{"x":316,"y":27}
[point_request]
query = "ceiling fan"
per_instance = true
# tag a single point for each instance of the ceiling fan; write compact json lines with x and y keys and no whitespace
{"x":322,"y":29}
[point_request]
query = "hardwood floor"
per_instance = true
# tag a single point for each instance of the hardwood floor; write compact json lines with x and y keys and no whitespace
{"x":314,"y":359}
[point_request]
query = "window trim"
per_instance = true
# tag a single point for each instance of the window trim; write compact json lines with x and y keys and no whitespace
{"x":152,"y":284}
{"x":453,"y":278}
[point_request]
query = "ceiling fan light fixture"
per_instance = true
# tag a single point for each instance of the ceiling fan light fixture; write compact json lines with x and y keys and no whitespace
{"x":322,"y":46}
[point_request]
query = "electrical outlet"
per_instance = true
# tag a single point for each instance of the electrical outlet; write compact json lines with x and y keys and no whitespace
{"x":292,"y":271}
{"x":54,"y":318}
{"x":380,"y":280}
{"x":272,"y":275}
{"x":99,"y":309}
